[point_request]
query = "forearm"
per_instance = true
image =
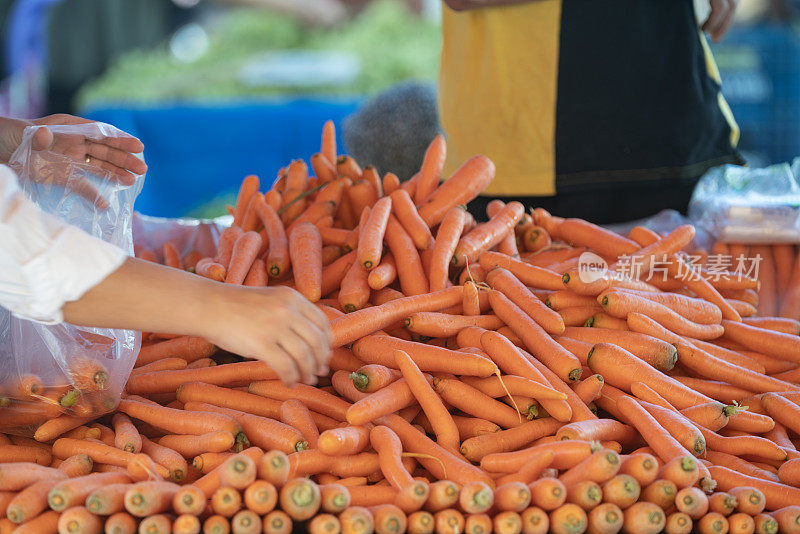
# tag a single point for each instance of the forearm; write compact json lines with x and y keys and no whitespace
{"x":144,"y":296}
{"x":466,"y":5}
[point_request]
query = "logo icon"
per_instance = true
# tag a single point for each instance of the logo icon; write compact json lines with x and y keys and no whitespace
{"x":591,"y":267}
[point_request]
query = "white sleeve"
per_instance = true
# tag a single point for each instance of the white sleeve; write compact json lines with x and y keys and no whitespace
{"x":45,"y":262}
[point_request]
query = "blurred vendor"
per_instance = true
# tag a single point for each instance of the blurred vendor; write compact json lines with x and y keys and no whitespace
{"x":605,"y":109}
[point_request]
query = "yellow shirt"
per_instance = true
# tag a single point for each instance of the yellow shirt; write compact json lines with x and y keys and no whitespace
{"x":495,"y":98}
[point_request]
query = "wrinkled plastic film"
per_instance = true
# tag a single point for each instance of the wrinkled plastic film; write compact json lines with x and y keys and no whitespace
{"x":745,"y":205}
{"x":47,"y":370}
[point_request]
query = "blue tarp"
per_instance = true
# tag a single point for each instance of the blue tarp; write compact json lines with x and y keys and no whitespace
{"x":197,"y":153}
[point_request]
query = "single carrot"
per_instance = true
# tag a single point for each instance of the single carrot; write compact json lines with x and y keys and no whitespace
{"x":248,"y":188}
{"x":474,"y":449}
{"x":120,"y":523}
{"x":31,"y":501}
{"x":75,"y":466}
{"x":512,"y":496}
{"x":189,"y":500}
{"x":295,"y":414}
{"x":449,"y":521}
{"x":605,"y":518}
{"x":126,"y":437}
{"x":413,"y":279}
{"x":180,"y":421}
{"x":464,"y":185}
{"x":273,"y":467}
{"x":437,"y":324}
{"x":260,"y":497}
{"x":355,"y":290}
{"x":641,"y":466}
{"x":185,"y":347}
{"x":429,"y":358}
{"x":597,"y":430}
{"x":535,"y":521}
{"x":217,"y":524}
{"x":530,"y":275}
{"x":585,"y":493}
{"x":431,"y":170}
{"x":263,"y":432}
{"x":741,"y":524}
{"x":538,"y":342}
{"x":568,"y":518}
{"x":170,"y":459}
{"x":722,"y":503}
{"x":300,"y":498}
{"x":356,"y":325}
{"x":237,"y":471}
{"x":107,"y":500}
{"x":666,"y":446}
{"x":749,"y":500}
{"x":79,"y":519}
{"x":226,"y":502}
{"x":478,"y":523}
{"x":531,"y":470}
{"x":356,"y":520}
{"x":305,"y":252}
{"x":495,"y":387}
{"x":384,"y":274}
{"x":644,"y":518}
{"x":768,"y":342}
{"x":487,"y":235}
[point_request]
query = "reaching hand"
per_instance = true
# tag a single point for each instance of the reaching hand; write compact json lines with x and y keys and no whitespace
{"x":720,"y":19}
{"x":276,"y":325}
{"x":113,"y":154}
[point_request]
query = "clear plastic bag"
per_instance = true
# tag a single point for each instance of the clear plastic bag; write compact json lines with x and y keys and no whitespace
{"x":188,"y":235}
{"x":47,"y":370}
{"x":744,"y":205}
{"x":664,"y":222}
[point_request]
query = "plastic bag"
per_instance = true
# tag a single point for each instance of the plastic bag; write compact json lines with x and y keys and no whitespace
{"x":47,"y":370}
{"x":744,"y":205}
{"x":664,"y":222}
{"x":188,"y":235}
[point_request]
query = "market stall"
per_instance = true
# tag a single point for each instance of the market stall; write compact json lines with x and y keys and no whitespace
{"x":523,"y":373}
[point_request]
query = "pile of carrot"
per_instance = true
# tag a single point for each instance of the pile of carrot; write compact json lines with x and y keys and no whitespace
{"x":481,"y":381}
{"x":777,"y":271}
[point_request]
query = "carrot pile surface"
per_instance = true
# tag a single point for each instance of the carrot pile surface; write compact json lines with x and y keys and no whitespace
{"x":482,"y":380}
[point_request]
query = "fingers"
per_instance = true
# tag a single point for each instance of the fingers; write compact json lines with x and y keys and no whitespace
{"x":318,"y":341}
{"x":721,"y":11}
{"x":125,"y":143}
{"x":84,"y":188}
{"x":315,"y":315}
{"x":728,"y":22}
{"x":301,"y":354}
{"x":119,"y":158}
{"x":281,"y":362}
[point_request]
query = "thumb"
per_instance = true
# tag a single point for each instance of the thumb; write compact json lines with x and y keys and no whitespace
{"x":42,"y":139}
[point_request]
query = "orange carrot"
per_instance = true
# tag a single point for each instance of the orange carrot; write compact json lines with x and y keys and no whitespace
{"x":126,"y":437}
{"x":248,"y":188}
{"x":305,"y":251}
{"x":604,"y":242}
{"x":644,"y":518}
{"x":474,"y":449}
{"x":584,"y":493}
{"x":487,"y":235}
{"x":295,"y":413}
{"x":464,"y":185}
{"x":541,"y":345}
{"x":413,"y":280}
{"x":505,"y":282}
{"x":363,"y":322}
{"x":185,"y":347}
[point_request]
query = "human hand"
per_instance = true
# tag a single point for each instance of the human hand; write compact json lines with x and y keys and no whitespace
{"x":720,"y":19}
{"x":275,"y":325}
{"x":112,"y":154}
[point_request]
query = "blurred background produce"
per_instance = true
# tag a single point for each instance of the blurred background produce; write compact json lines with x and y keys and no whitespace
{"x":218,"y":89}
